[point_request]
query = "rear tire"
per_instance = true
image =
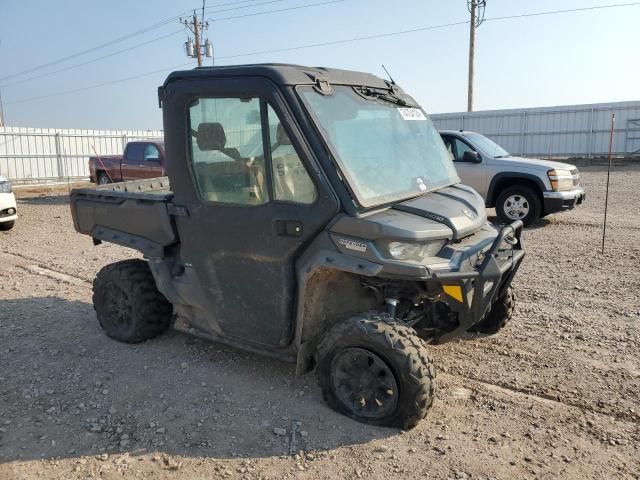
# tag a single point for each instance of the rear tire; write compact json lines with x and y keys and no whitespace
{"x":376,"y":371}
{"x":6,"y":226}
{"x":103,"y":179}
{"x":518,"y":203}
{"x":128,"y":304}
{"x":499,"y":315}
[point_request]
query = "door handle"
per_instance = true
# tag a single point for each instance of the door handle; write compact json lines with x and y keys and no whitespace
{"x":288,"y":228}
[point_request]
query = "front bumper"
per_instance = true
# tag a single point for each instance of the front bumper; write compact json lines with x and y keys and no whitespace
{"x":8,"y":209}
{"x":481,"y":286}
{"x":559,"y":201}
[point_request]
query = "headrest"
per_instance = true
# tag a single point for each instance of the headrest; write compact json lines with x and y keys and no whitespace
{"x":281,"y":136}
{"x":210,"y":136}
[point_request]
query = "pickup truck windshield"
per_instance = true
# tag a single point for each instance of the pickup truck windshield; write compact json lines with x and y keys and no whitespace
{"x":487,"y":145}
{"x":386,"y":152}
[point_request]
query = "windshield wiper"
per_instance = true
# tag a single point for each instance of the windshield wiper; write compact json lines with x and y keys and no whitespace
{"x":386,"y":95}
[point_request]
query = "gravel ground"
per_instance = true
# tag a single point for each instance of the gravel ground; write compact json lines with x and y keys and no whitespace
{"x":555,"y":395}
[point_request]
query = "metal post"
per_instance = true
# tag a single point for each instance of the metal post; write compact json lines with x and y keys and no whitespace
{"x":524,"y":132}
{"x":590,"y":146}
{"x":606,"y":196}
{"x":59,"y":156}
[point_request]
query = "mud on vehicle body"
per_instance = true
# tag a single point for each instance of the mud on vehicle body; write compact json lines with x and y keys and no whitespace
{"x":313,"y":215}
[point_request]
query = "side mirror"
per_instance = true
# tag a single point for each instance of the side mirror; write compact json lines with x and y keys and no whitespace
{"x":471,"y":157}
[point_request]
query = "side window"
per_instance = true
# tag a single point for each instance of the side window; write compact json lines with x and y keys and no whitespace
{"x":226,"y":150}
{"x":291,"y":181}
{"x":448,"y":142}
{"x":460,"y":148}
{"x":134,"y":153}
{"x":151,"y":153}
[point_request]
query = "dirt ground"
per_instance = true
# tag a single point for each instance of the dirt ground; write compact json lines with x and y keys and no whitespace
{"x":555,"y":395}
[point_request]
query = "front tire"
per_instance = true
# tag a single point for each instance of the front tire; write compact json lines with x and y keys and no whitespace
{"x":499,"y":315}
{"x":518,"y":203}
{"x":6,"y":226}
{"x":376,"y":371}
{"x":128,"y":304}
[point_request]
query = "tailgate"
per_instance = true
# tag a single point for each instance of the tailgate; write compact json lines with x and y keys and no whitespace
{"x":132,"y":214}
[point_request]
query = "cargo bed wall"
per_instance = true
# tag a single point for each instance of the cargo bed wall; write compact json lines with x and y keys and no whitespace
{"x":132,"y":214}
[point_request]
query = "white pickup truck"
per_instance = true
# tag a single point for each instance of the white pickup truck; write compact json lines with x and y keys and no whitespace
{"x":519,"y":188}
{"x":8,"y":208}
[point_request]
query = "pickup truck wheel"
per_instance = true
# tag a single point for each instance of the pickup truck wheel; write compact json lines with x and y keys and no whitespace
{"x":499,"y":315}
{"x":103,"y":179}
{"x":5,"y":226}
{"x":128,"y":305}
{"x":518,"y":203}
{"x":376,"y":371}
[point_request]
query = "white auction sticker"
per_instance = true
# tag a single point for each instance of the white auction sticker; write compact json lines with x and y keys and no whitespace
{"x":411,"y":113}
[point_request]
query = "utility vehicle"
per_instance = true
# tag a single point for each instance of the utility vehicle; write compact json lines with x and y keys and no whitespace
{"x":311,"y":214}
{"x":519,"y":188}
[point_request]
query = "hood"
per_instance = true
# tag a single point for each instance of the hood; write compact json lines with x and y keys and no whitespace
{"x":458,"y":207}
{"x":532,"y":163}
{"x":448,"y":213}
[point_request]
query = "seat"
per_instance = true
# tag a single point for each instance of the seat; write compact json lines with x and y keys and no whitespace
{"x":239,"y":180}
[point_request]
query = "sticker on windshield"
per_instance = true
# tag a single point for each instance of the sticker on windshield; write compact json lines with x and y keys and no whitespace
{"x":421,"y":185}
{"x":411,"y":113}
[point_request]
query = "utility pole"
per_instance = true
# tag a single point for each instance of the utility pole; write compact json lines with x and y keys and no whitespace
{"x":476,"y":8}
{"x":195,"y":48}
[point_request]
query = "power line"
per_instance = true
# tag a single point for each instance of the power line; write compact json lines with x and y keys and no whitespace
{"x":97,"y":59}
{"x":104,"y":84}
{"x":61,"y":70}
{"x":421,"y":29}
{"x":92,"y":49}
{"x":245,"y":6}
{"x":276,"y":11}
{"x":130,"y":35}
{"x":335,"y":42}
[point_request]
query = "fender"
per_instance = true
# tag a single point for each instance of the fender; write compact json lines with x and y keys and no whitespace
{"x":489,"y":201}
{"x":332,"y":261}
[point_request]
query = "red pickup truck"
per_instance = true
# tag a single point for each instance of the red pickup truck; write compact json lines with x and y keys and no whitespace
{"x":144,"y":159}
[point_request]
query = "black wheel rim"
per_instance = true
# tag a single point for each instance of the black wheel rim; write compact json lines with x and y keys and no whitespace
{"x":364,"y":383}
{"x":118,"y":311}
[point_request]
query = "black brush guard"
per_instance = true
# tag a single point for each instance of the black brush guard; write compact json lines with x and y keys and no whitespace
{"x":490,"y":280}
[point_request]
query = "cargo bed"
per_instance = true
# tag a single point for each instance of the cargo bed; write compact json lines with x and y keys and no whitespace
{"x":133,"y":214}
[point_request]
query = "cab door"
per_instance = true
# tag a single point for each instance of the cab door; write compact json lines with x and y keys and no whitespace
{"x":472,"y":173}
{"x":152,"y":161}
{"x":133,"y":161}
{"x":246,"y":226}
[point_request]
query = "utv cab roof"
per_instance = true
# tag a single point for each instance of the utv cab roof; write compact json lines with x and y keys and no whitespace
{"x":283,"y":74}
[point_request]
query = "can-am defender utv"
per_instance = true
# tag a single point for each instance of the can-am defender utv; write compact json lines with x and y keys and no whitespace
{"x":311,"y":214}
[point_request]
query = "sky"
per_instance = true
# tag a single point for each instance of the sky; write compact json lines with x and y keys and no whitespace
{"x":560,"y":59}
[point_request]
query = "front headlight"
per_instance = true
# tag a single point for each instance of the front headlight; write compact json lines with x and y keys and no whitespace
{"x":560,"y":180}
{"x":5,"y":187}
{"x":415,"y":251}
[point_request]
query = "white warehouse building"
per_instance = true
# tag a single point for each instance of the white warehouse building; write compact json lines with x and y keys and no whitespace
{"x":564,"y":131}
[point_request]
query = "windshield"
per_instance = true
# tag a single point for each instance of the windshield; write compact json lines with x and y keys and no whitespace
{"x":385,"y":151}
{"x":487,"y":145}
